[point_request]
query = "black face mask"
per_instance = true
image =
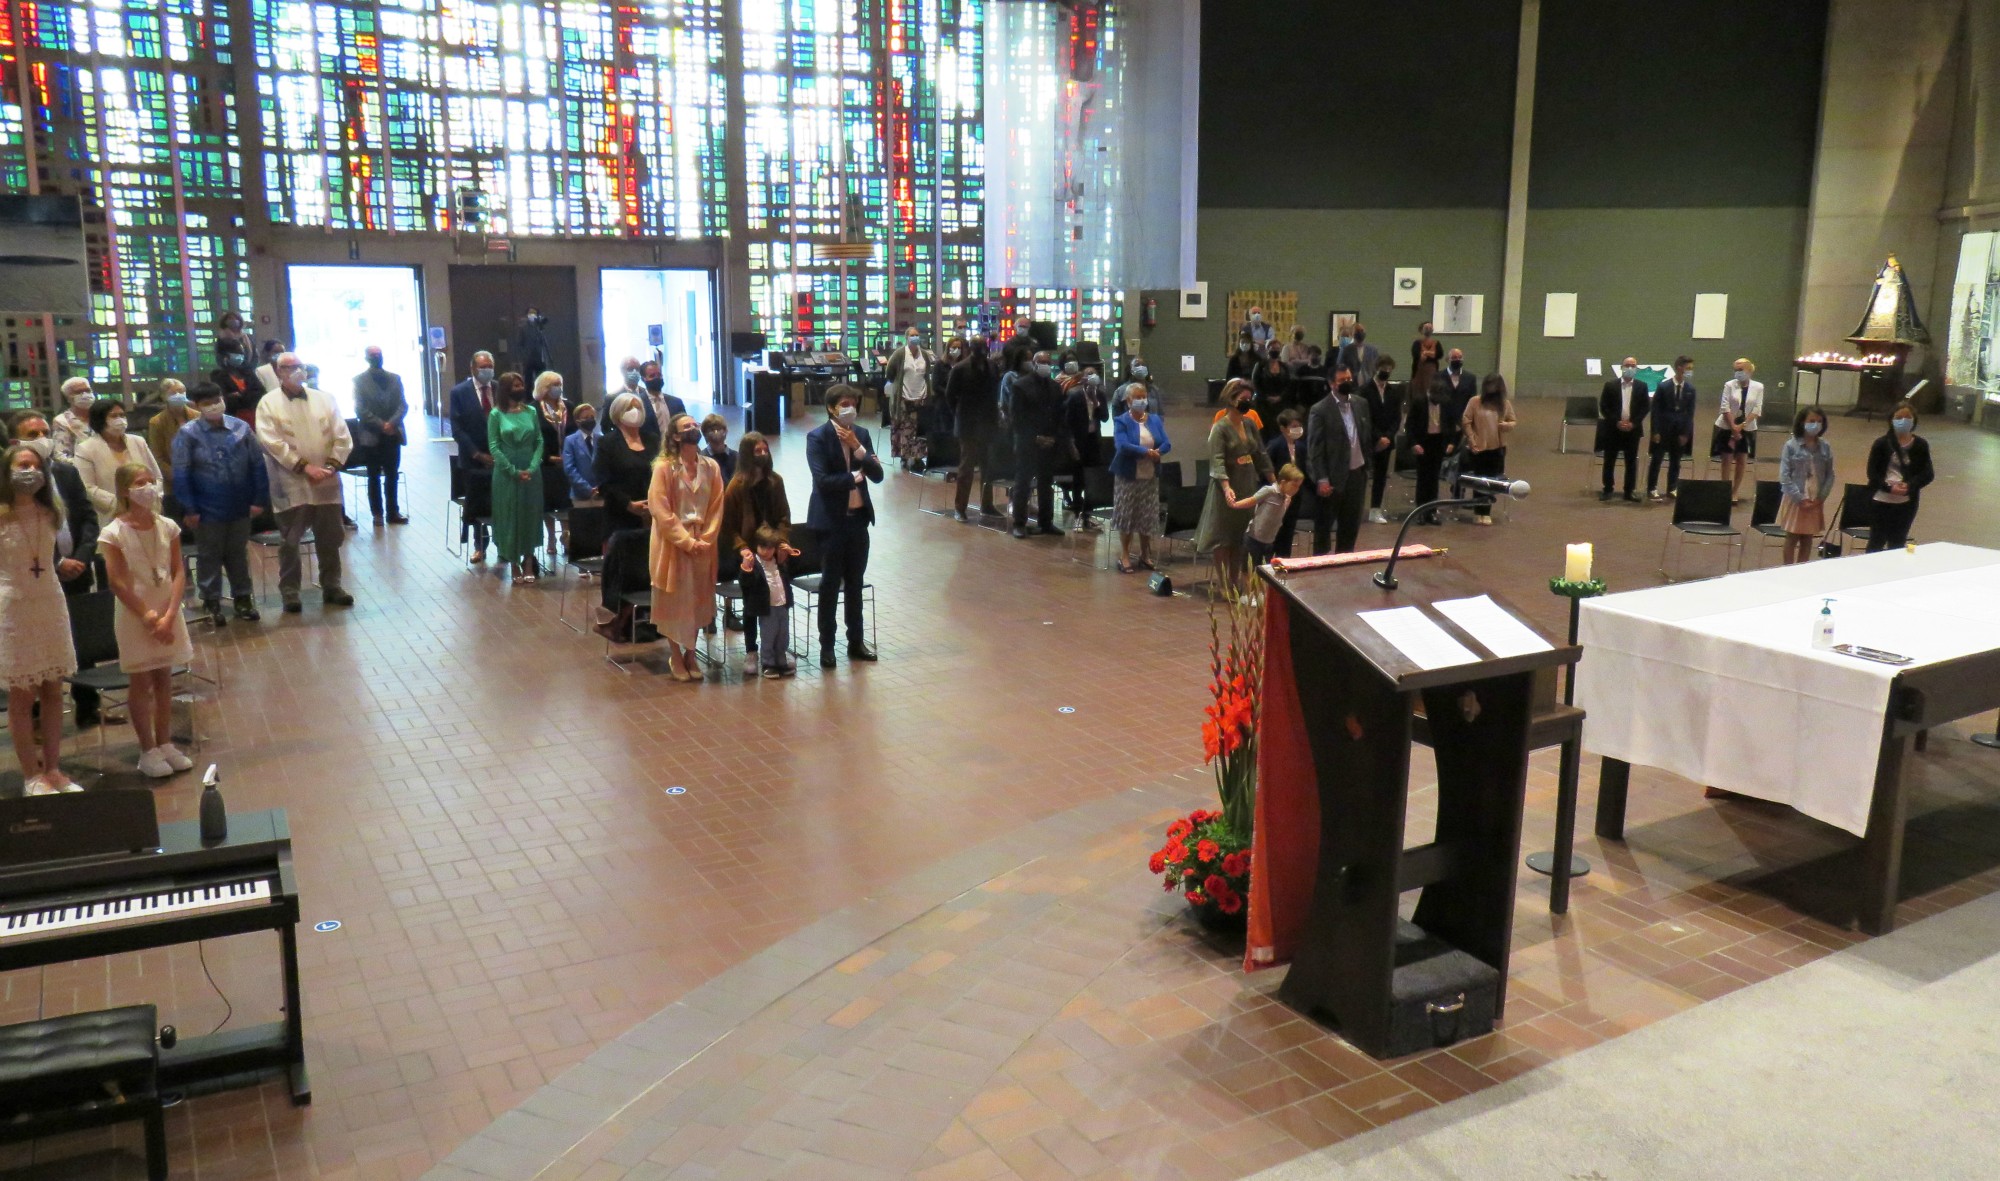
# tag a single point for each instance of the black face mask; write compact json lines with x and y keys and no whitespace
{"x":1457,"y":365}
{"x":656,"y":384}
{"x":586,"y":425}
{"x":1383,"y":377}
{"x":690,"y":438}
{"x":374,"y":362}
{"x":1242,"y":405}
{"x":1346,"y":387}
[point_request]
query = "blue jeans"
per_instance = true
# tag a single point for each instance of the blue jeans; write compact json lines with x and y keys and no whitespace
{"x":777,"y":637}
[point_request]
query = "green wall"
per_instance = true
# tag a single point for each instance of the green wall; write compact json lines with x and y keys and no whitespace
{"x":1334,"y":258}
{"x":1636,"y":273}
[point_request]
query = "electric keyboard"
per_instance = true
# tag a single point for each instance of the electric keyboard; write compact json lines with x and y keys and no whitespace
{"x":182,"y":892}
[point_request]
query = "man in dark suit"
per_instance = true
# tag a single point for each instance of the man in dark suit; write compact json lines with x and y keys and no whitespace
{"x":1339,"y":441}
{"x":74,"y":565}
{"x":1621,"y":417}
{"x":1035,"y":418}
{"x":1673,"y":426}
{"x":842,"y":460}
{"x":471,"y":402}
{"x":531,"y":344}
{"x":1357,"y":357}
{"x":379,"y":408}
{"x":1433,"y":424}
{"x":661,"y":406}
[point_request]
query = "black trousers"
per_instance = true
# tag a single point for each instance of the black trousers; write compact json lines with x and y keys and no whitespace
{"x":1668,"y":447}
{"x":1382,"y":461}
{"x":1891,"y":528}
{"x":843,"y":568}
{"x":1036,"y":465}
{"x":1625,"y":443}
{"x":1339,"y":518}
{"x":383,"y":465}
{"x":476,"y":485}
{"x":973,"y":446}
{"x":1493,"y":463}
{"x":1429,"y":464}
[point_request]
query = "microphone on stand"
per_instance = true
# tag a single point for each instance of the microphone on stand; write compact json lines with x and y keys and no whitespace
{"x":1492,"y":485}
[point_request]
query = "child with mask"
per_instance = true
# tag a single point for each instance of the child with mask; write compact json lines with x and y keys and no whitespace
{"x":35,"y":649}
{"x":142,"y":560}
{"x":767,"y":598}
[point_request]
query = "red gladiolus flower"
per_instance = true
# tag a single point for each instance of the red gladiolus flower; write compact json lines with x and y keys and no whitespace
{"x":1159,"y":862}
{"x":1207,"y":850}
{"x":1216,"y":885}
{"x":1230,"y":904}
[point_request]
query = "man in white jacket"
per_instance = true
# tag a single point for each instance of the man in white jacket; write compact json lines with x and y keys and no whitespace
{"x":305,"y":441}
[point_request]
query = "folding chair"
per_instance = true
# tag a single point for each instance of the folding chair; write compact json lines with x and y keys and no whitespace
{"x":1857,"y":515}
{"x":1576,"y":412}
{"x":585,"y":558}
{"x":95,"y":637}
{"x":1764,"y":517}
{"x":1701,"y":512}
{"x":806,"y":592}
{"x":1098,"y":490}
{"x":1184,"y":507}
{"x":265,"y":544}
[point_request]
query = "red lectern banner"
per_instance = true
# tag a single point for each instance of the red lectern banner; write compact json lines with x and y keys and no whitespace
{"x":1285,"y":852}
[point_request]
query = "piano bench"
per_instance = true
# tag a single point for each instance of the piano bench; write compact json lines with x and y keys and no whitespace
{"x":87,"y":1070}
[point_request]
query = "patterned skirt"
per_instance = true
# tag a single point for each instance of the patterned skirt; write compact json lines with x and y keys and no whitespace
{"x":1135,"y":506}
{"x":906,"y":438}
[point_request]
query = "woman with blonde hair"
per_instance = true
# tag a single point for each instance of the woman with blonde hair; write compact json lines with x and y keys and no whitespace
{"x":553,"y":414}
{"x":686,"y":504}
{"x":1734,"y":442}
{"x":142,"y":560}
{"x":35,"y":649}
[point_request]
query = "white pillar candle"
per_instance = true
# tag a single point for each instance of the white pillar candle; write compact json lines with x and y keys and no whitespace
{"x":1576,"y":562}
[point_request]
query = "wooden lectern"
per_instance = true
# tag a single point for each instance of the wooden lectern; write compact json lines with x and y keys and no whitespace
{"x":1393,"y":987}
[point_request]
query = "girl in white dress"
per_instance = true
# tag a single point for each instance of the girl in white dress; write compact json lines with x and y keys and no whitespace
{"x":35,"y":649}
{"x":142,"y":556}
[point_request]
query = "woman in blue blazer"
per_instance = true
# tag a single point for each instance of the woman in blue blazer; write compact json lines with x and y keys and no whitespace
{"x":1139,"y":439}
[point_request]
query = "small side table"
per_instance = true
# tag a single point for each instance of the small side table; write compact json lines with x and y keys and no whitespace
{"x":1545,"y":863}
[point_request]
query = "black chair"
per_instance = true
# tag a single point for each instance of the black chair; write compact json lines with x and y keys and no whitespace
{"x":585,"y":556}
{"x":1700,"y":512}
{"x":95,"y":638}
{"x":1170,"y":474}
{"x":1857,"y":515}
{"x":1201,"y":474}
{"x":1764,"y":516}
{"x":1098,"y":491}
{"x":86,"y":1070}
{"x":806,"y":590}
{"x":1184,"y":507}
{"x":1577,"y":412}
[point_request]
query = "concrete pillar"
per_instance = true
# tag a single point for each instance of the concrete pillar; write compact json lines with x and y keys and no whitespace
{"x":1885,"y":129}
{"x":1517,"y":192}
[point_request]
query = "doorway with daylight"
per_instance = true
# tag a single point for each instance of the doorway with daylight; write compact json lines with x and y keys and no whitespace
{"x":663,"y":315}
{"x":338,"y":311}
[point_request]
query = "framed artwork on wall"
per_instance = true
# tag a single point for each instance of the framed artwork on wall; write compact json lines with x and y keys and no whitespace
{"x":1408,"y":289}
{"x":1339,"y":327}
{"x":1280,"y":310}
{"x":1458,"y":315}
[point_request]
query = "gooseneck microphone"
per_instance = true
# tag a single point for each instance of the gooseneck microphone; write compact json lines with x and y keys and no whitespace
{"x":1490,"y":485}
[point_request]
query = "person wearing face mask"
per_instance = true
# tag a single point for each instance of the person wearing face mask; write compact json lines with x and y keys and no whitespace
{"x":1385,"y":411}
{"x":944,"y":415}
{"x":1242,"y":362}
{"x":842,"y":460}
{"x":909,"y":390}
{"x":76,"y":537}
{"x":267,"y":371}
{"x":1673,"y":427}
{"x":661,"y":406}
{"x":973,"y":392}
{"x":516,"y":433}
{"x":1085,"y":411}
{"x":1426,"y":357}
{"x":1339,"y":441}
{"x":173,"y":413}
{"x":229,"y":334}
{"x":305,"y":442}
{"x":233,"y":377}
{"x":754,"y":499}
{"x":624,"y":478}
{"x":552,"y":417}
{"x":471,"y":407}
{"x":1433,"y":425}
{"x":531,"y":343}
{"x":379,"y":410}
{"x":221,"y":485}
{"x":1805,"y":477}
{"x":1238,"y":466}
{"x":1621,"y":421}
{"x":1035,"y":413}
{"x":1899,"y":469}
{"x":685,"y":499}
{"x":35,"y":648}
{"x":1139,"y":440}
{"x":1357,"y":356}
{"x":715,"y":444}
{"x":1257,"y":329}
{"x":72,"y":426}
{"x":1140,"y":373}
{"x":1487,"y":421}
{"x":1296,"y":352}
{"x":579,"y":458}
{"x":107,"y":448}
{"x":1289,"y":447}
{"x":1273,"y":385}
{"x":142,"y":564}
{"x":1735,"y":439}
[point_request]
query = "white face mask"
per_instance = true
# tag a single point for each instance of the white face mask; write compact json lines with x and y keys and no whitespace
{"x":1743,"y":375}
{"x":1293,"y":432}
{"x":114,"y":428}
{"x":211,"y":414}
{"x":79,"y":404}
{"x":633,"y":417}
{"x":44,"y":447}
{"x":145,"y":495}
{"x":1138,"y":405}
{"x":845,"y":416}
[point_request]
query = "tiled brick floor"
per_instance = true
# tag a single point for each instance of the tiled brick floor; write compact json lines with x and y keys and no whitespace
{"x":478,"y":797}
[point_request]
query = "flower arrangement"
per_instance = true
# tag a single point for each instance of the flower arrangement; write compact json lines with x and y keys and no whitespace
{"x":1207,"y":854}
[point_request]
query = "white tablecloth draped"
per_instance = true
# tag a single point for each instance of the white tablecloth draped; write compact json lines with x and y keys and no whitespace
{"x":1717,"y":681}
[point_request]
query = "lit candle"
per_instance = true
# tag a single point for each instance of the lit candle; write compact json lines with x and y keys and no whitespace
{"x":1576,"y":562}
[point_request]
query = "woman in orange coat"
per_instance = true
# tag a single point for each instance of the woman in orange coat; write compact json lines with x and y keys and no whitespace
{"x":686,"y":503}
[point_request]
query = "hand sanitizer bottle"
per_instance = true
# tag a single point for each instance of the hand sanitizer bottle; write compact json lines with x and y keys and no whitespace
{"x":1823,"y":626}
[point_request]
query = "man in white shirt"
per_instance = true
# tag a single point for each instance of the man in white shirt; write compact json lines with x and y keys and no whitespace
{"x":305,"y":441}
{"x":72,"y":426}
{"x":1621,"y":420}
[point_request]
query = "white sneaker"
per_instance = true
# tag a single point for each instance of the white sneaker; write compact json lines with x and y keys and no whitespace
{"x":154,"y":765}
{"x":1482,"y":520}
{"x":1377,"y":517}
{"x":750,"y":664}
{"x":38,"y":786}
{"x":175,"y":758}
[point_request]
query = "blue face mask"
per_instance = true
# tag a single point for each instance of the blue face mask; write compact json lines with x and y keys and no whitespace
{"x":177,"y":401}
{"x":1814,"y":428}
{"x":1905,"y":425}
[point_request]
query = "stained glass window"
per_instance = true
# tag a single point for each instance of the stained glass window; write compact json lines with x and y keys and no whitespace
{"x":566,"y":117}
{"x":131,"y":106}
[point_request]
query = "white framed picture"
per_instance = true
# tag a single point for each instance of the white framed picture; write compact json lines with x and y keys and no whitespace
{"x":1458,"y":315}
{"x":1711,"y":316}
{"x":1407,"y":289}
{"x":1559,"y":313}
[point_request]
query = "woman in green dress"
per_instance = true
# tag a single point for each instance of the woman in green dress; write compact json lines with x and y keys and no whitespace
{"x":1238,"y":466}
{"x":515,"y":440}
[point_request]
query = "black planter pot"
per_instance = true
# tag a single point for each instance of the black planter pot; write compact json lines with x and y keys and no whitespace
{"x":1211,"y":918}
